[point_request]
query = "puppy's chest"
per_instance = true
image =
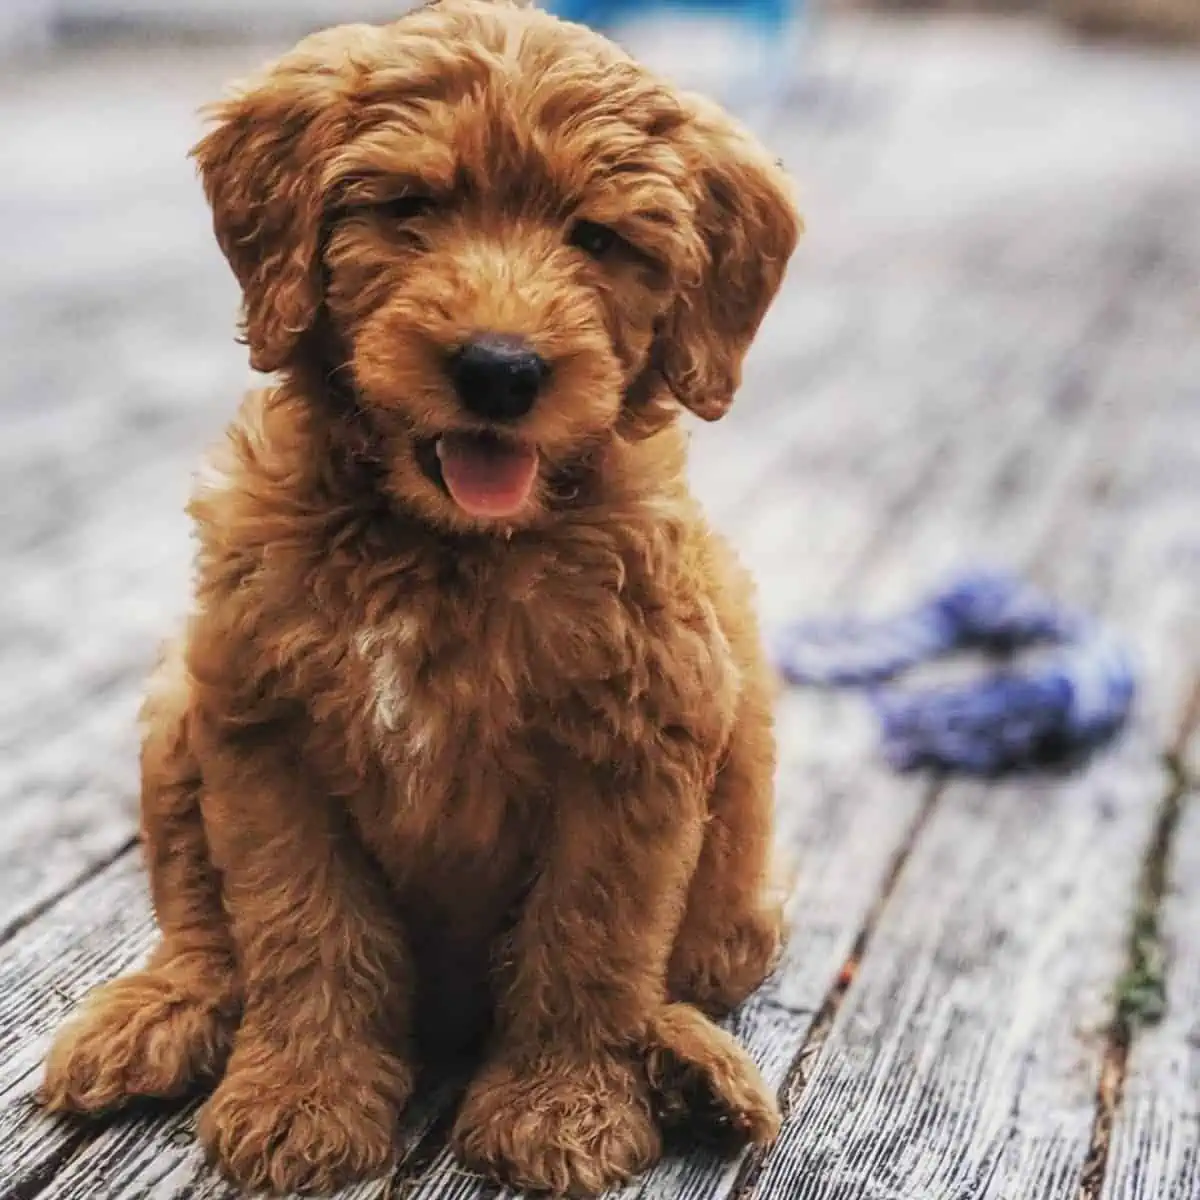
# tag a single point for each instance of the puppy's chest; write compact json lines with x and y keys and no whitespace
{"x":471,"y":715}
{"x":434,"y":681}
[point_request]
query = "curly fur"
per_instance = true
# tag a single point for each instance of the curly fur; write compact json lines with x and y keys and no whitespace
{"x":414,"y":781}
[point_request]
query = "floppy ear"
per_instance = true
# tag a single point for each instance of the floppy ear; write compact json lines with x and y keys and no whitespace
{"x":262,"y":166}
{"x":748,"y":226}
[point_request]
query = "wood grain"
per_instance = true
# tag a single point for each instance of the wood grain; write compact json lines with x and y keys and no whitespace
{"x":1154,"y":1148}
{"x":966,"y":1057}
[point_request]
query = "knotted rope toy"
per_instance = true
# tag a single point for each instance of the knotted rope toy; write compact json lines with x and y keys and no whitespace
{"x":1057,"y":709}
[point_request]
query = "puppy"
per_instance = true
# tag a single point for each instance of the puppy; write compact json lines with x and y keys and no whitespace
{"x":468,"y":738}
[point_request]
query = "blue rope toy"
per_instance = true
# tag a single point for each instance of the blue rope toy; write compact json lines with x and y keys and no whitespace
{"x":1057,"y":710}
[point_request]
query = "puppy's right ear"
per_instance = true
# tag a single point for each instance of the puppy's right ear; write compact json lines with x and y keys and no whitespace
{"x":263,"y":166}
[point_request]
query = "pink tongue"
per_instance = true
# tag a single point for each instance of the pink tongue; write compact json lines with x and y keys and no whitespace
{"x":487,"y":477}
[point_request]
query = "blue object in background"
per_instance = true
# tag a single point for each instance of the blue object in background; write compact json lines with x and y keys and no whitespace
{"x":1059,"y":709}
{"x":604,"y":14}
{"x":755,"y":75}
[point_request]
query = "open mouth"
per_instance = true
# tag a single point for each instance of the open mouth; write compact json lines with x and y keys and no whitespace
{"x":486,"y":475}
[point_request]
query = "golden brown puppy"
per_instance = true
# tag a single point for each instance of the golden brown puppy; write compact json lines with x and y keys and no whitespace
{"x":469,"y":728}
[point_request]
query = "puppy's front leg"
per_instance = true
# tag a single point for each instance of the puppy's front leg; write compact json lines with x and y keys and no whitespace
{"x":563,"y":1104}
{"x":318,"y":1074}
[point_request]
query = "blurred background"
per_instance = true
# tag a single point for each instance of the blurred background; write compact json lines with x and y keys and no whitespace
{"x":986,"y":349}
{"x":987,"y":352}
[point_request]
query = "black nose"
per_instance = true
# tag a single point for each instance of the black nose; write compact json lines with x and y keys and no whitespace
{"x":497,"y":376}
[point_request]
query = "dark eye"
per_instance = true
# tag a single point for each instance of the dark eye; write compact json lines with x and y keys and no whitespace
{"x":404,"y":208}
{"x":597,"y":240}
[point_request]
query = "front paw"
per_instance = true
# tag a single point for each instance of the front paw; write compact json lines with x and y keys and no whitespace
{"x":703,"y":1080}
{"x":150,"y":1034}
{"x":311,"y":1128}
{"x":555,"y":1126}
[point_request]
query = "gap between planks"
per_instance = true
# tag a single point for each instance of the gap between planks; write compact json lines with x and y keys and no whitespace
{"x":1141,"y":993}
{"x":1145,"y":981}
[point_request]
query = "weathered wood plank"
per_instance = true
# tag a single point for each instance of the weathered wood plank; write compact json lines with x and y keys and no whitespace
{"x":965,"y":1059}
{"x":99,"y":929}
{"x":957,"y":1065}
{"x":116,"y":325}
{"x":1154,"y":1146}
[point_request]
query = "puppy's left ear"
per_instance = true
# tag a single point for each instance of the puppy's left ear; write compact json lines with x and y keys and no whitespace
{"x":748,"y":227}
{"x":262,"y":166}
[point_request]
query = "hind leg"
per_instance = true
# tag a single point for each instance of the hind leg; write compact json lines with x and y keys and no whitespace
{"x":732,"y":928}
{"x":161,"y":1030}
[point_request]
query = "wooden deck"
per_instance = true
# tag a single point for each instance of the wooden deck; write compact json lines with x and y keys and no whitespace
{"x":989,"y":349}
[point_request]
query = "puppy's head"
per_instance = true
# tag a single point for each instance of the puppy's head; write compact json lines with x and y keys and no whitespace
{"x":504,"y":237}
